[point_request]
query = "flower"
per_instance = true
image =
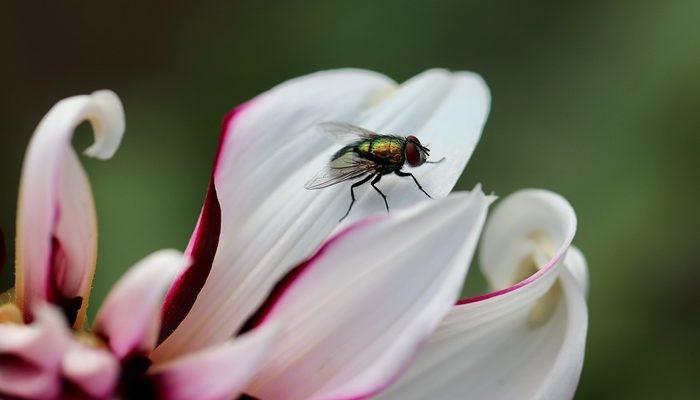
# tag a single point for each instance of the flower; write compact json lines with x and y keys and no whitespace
{"x":360,"y":309}
{"x":56,"y":245}
{"x":353,"y":334}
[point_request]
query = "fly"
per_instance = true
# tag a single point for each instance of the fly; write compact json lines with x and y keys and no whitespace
{"x":369,"y":156}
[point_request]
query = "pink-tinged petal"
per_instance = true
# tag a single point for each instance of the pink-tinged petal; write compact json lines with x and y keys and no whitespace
{"x":257,"y":153}
{"x":218,"y":372}
{"x":129,"y":318}
{"x":91,"y":372}
{"x":56,"y":223}
{"x":525,"y":341}
{"x":528,"y":223}
{"x":352,"y":317}
{"x":491,"y":350}
{"x":30,"y":355}
{"x":271,"y":147}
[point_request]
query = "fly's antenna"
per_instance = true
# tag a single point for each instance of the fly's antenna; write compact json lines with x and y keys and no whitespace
{"x":436,"y":162}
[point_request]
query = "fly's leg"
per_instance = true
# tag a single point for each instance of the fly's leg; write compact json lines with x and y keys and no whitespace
{"x":401,"y":173}
{"x":352,"y":193}
{"x":373,"y":183}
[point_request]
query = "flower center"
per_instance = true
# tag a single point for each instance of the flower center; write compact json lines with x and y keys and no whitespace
{"x":9,"y":312}
{"x":89,"y":339}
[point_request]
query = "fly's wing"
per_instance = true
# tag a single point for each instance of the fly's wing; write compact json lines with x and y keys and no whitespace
{"x":345,"y":167}
{"x":343,"y":132}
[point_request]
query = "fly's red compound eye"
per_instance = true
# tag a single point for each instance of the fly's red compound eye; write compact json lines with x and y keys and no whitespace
{"x":412,"y":153}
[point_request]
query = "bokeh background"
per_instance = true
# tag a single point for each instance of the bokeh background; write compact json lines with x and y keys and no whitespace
{"x":597,"y":100}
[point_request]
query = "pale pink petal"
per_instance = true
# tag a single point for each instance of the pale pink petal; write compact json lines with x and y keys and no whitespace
{"x":91,"y":371}
{"x":353,"y":316}
{"x":218,"y":372}
{"x":56,"y":224}
{"x":271,"y":147}
{"x":129,"y":318}
{"x":525,"y":341}
{"x":30,"y":355}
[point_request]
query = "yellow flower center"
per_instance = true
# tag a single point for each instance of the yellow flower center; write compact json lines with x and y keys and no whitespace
{"x":9,"y":312}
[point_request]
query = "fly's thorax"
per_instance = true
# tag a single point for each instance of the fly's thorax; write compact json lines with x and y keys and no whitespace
{"x":387,"y":150}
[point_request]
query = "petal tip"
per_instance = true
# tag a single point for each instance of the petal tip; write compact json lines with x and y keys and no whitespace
{"x":109,"y":124}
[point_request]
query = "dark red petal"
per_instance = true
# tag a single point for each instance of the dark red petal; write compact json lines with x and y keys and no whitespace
{"x":185,"y":289}
{"x":181,"y":296}
{"x":133,"y":382}
{"x":58,"y":262}
{"x":286,"y":282}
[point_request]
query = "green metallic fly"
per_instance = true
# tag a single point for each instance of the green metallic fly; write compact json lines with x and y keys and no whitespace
{"x":369,"y":155}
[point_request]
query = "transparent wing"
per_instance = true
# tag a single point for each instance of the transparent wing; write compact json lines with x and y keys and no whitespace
{"x":346,"y":167}
{"x":345,"y":133}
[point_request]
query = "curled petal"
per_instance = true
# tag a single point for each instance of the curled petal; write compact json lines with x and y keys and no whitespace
{"x":352,"y":317}
{"x":56,"y":224}
{"x":527,"y":223}
{"x":526,"y":341}
{"x":129,"y":318}
{"x":218,"y":372}
{"x":30,"y":355}
{"x":269,"y":221}
{"x":562,"y":378}
{"x":91,"y":371}
{"x":576,"y":263}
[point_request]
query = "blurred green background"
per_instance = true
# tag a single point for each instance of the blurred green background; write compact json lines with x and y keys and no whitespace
{"x":597,"y":100}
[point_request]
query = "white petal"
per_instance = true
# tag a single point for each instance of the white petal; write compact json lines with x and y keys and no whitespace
{"x":490,"y":350}
{"x":355,"y":313}
{"x":576,"y":263}
{"x":218,"y":372}
{"x":525,"y":341}
{"x":272,"y":147}
{"x":56,"y":225}
{"x":93,"y":370}
{"x":447,"y":111}
{"x":129,"y":318}
{"x":562,"y":378}
{"x":31,"y":355}
{"x":524,"y":219}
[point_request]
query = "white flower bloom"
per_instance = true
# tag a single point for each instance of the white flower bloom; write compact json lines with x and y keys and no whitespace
{"x":355,"y":310}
